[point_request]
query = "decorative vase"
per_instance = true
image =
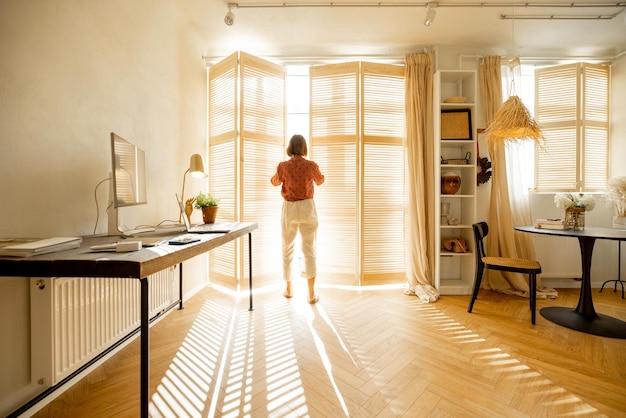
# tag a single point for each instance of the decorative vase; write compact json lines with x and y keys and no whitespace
{"x":575,"y":218}
{"x":619,"y":222}
{"x":209,"y":214}
{"x":450,"y":183}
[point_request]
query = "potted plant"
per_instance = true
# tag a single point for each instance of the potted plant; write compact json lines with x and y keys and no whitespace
{"x":208,"y":205}
{"x":575,"y":206}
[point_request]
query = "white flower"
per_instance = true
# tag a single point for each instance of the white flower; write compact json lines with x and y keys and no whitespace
{"x":617,"y":194}
{"x":580,"y":200}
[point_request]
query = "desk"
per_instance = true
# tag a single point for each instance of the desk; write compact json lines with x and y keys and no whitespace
{"x":81,"y":262}
{"x":584,"y":318}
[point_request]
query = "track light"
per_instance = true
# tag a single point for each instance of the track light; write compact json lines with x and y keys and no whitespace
{"x":229,"y":19}
{"x":430,"y":13}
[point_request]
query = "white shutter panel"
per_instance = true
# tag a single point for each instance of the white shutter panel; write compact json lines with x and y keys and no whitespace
{"x":263,"y":115}
{"x":247,"y":95}
{"x":383,"y":246}
{"x":357,"y":129}
{"x":333,"y":146}
{"x":595,"y":126}
{"x":573,"y":108}
{"x":555,"y":110}
{"x":223,"y":128}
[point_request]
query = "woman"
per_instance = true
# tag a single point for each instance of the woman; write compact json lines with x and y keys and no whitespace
{"x":298,"y":176}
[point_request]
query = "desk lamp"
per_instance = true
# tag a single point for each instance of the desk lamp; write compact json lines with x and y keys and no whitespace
{"x":196,"y":169}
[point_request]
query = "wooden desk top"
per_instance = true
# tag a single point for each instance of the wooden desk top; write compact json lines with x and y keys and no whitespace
{"x":82,"y":262}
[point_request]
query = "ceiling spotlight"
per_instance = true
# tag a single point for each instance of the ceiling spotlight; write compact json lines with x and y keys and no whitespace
{"x":430,"y":13}
{"x":229,"y":19}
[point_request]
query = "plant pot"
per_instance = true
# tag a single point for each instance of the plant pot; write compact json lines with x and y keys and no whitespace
{"x":575,"y":218}
{"x":619,"y":222}
{"x":209,"y":214}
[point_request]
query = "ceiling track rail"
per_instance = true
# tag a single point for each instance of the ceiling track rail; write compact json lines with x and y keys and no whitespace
{"x":517,"y":5}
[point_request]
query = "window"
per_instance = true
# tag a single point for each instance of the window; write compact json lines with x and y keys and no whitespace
{"x":353,"y":117}
{"x":572,"y":107}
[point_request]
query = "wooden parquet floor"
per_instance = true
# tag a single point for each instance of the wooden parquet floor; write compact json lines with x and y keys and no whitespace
{"x":362,"y":353}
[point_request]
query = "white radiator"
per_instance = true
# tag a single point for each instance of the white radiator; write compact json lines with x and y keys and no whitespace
{"x":75,"y":319}
{"x":559,"y":257}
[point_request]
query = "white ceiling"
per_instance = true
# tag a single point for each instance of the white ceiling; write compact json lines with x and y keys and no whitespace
{"x":396,"y":31}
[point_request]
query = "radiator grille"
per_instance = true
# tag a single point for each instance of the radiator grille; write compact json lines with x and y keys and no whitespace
{"x":559,"y":257}
{"x":75,"y":319}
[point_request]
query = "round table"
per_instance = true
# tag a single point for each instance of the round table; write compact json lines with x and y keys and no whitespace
{"x":584,"y":318}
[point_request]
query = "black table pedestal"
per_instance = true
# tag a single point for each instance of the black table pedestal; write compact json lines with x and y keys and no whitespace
{"x":601,"y":325}
{"x":584,"y":318}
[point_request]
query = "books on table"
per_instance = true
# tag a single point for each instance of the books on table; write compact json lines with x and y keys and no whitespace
{"x":42,"y":246}
{"x":551,"y":223}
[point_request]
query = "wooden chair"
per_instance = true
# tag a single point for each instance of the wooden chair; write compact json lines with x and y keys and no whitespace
{"x":515,"y":265}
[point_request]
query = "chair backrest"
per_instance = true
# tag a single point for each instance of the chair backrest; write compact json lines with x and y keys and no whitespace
{"x":481,"y":229}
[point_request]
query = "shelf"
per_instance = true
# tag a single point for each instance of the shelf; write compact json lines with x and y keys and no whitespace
{"x":454,"y":272}
{"x":453,"y":254}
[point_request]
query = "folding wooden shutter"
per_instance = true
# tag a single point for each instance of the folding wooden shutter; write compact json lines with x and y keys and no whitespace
{"x":246,"y":142}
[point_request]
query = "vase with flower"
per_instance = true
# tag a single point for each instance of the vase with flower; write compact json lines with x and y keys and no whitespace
{"x":575,"y":206}
{"x":616,"y":195}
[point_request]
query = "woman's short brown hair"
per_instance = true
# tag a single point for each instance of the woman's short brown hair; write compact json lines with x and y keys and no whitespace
{"x":297,"y":146}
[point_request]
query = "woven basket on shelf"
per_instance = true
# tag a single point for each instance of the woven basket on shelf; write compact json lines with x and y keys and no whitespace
{"x":465,"y":160}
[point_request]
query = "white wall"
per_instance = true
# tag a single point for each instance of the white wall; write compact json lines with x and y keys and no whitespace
{"x":72,"y":72}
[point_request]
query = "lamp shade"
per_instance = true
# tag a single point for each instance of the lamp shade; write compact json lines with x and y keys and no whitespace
{"x":514,"y":122}
{"x":196,"y":166}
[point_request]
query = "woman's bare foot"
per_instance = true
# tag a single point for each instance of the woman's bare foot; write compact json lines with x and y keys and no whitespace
{"x":288,"y":292}
{"x":312,"y":296}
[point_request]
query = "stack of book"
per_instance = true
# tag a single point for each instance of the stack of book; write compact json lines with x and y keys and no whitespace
{"x":42,"y":246}
{"x":551,"y":223}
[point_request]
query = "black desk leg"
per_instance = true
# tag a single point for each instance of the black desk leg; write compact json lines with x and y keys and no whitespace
{"x":145,"y":349}
{"x":250,"y":267}
{"x":619,"y":271}
{"x":180,"y":286}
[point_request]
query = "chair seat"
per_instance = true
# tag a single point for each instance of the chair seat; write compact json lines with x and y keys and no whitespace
{"x":517,"y":263}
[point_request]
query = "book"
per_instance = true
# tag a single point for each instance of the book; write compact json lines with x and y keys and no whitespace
{"x":555,"y":221}
{"x":551,"y":226}
{"x":42,"y":246}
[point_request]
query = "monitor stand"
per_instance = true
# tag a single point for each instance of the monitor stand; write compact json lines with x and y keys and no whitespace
{"x":114,"y":228}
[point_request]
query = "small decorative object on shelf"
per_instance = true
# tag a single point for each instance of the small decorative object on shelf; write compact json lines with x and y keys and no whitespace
{"x":445,"y":212}
{"x":450,"y":183}
{"x":575,"y":207}
{"x":209,"y":205}
{"x":616,"y":195}
{"x":466,"y":160}
{"x":455,"y":245}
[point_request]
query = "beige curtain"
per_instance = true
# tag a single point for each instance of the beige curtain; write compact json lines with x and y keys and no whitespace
{"x":508,"y":206}
{"x":420,"y":151}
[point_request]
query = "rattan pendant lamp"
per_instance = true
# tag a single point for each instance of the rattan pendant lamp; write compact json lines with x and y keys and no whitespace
{"x":513,"y":120}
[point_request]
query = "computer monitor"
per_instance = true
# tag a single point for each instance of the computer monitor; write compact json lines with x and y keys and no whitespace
{"x":128,"y":180}
{"x":128,"y":174}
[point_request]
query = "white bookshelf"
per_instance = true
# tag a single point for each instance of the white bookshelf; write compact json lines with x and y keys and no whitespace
{"x":454,"y":272}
